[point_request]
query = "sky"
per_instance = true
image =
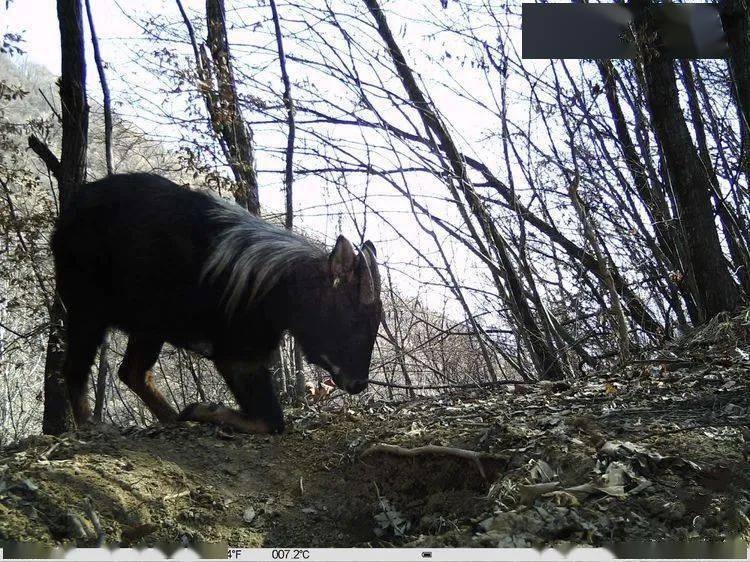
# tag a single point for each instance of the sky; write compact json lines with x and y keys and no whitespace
{"x":37,"y":20}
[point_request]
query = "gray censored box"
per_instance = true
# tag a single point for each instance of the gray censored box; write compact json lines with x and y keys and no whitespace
{"x":600,"y":31}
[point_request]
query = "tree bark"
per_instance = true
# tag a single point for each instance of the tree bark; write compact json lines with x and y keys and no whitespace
{"x":227,"y":114}
{"x":735,"y":18}
{"x":727,"y":218}
{"x":690,"y":183}
{"x":71,"y":173}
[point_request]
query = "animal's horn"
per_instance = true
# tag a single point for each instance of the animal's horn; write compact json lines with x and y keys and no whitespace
{"x":369,"y":281}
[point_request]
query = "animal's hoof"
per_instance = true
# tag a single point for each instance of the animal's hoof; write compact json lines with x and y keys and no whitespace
{"x":93,"y":427}
{"x":276,"y":427}
{"x":223,"y":416}
{"x":187,"y":412}
{"x":199,"y":411}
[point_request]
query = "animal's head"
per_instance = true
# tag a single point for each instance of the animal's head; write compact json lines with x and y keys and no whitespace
{"x":339,"y":319}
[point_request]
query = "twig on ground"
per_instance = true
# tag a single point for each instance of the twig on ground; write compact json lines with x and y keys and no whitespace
{"x":430,"y":450}
{"x":176,"y":495}
{"x":94,"y":517}
{"x":76,"y":526}
{"x":45,"y":455}
{"x":450,"y":386}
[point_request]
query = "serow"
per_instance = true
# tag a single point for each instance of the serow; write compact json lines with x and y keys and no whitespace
{"x":163,"y":263}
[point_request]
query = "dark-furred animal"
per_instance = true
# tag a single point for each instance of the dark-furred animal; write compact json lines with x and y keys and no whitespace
{"x":163,"y":263}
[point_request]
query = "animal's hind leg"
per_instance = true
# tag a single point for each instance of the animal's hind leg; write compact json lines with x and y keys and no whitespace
{"x":135,"y":371}
{"x":83,"y":337}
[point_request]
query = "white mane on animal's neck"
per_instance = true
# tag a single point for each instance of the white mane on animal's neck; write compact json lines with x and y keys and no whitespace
{"x":255,"y":255}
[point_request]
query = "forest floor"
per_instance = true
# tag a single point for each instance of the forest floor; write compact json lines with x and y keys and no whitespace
{"x":657,"y":450}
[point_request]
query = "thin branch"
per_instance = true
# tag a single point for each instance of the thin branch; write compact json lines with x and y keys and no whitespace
{"x":105,"y":90}
{"x":432,"y":450}
{"x":451,"y":386}
{"x":289,"y":105}
{"x":46,"y":155}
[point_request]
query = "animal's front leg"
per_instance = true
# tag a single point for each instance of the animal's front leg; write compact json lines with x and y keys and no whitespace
{"x":253,"y":389}
{"x":221,"y":415}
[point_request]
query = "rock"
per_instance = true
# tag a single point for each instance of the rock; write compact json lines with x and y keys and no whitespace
{"x":249,"y":515}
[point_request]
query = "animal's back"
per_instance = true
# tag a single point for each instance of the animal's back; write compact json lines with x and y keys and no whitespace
{"x":128,"y":249}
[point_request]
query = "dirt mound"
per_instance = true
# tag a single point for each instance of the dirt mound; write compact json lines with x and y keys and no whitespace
{"x":656,"y":451}
{"x":189,"y":483}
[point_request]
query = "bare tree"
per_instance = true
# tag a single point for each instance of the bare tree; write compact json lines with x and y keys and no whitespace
{"x":735,"y":19}
{"x":227,"y":112}
{"x":618,"y":318}
{"x":689,"y":181}
{"x":544,"y":357}
{"x":103,"y":368}
{"x":219,"y":89}
{"x":70,"y":172}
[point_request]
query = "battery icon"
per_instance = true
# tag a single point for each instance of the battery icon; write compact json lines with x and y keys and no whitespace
{"x":427,"y":555}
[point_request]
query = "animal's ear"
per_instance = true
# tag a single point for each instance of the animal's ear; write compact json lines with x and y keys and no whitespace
{"x":369,"y":277}
{"x":341,"y":261}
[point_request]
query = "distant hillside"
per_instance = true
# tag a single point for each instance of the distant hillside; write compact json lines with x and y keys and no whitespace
{"x":38,"y":113}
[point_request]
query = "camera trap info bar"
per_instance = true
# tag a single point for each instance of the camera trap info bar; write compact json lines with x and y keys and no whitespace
{"x":732,"y":549}
{"x":601,"y":31}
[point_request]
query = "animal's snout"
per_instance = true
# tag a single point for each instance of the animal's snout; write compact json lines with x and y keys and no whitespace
{"x":355,"y":386}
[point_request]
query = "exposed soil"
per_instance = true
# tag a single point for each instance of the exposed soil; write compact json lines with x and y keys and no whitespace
{"x":655,"y":451}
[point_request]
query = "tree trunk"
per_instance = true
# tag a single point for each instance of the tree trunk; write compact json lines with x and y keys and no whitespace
{"x":655,"y":205}
{"x":398,"y":343}
{"x":690,"y":183}
{"x":103,"y":367}
{"x":70,"y":174}
{"x":299,"y":373}
{"x":106,"y":103}
{"x":75,"y":108}
{"x":735,"y":18}
{"x":57,"y":417}
{"x":227,"y":114}
{"x":727,"y":218}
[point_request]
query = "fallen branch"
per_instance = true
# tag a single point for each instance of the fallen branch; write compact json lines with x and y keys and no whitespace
{"x":705,"y":360}
{"x":75,"y":526}
{"x":430,"y":450}
{"x":176,"y":495}
{"x":451,"y":386}
{"x":742,"y":424}
{"x":45,"y":455}
{"x":94,"y":518}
